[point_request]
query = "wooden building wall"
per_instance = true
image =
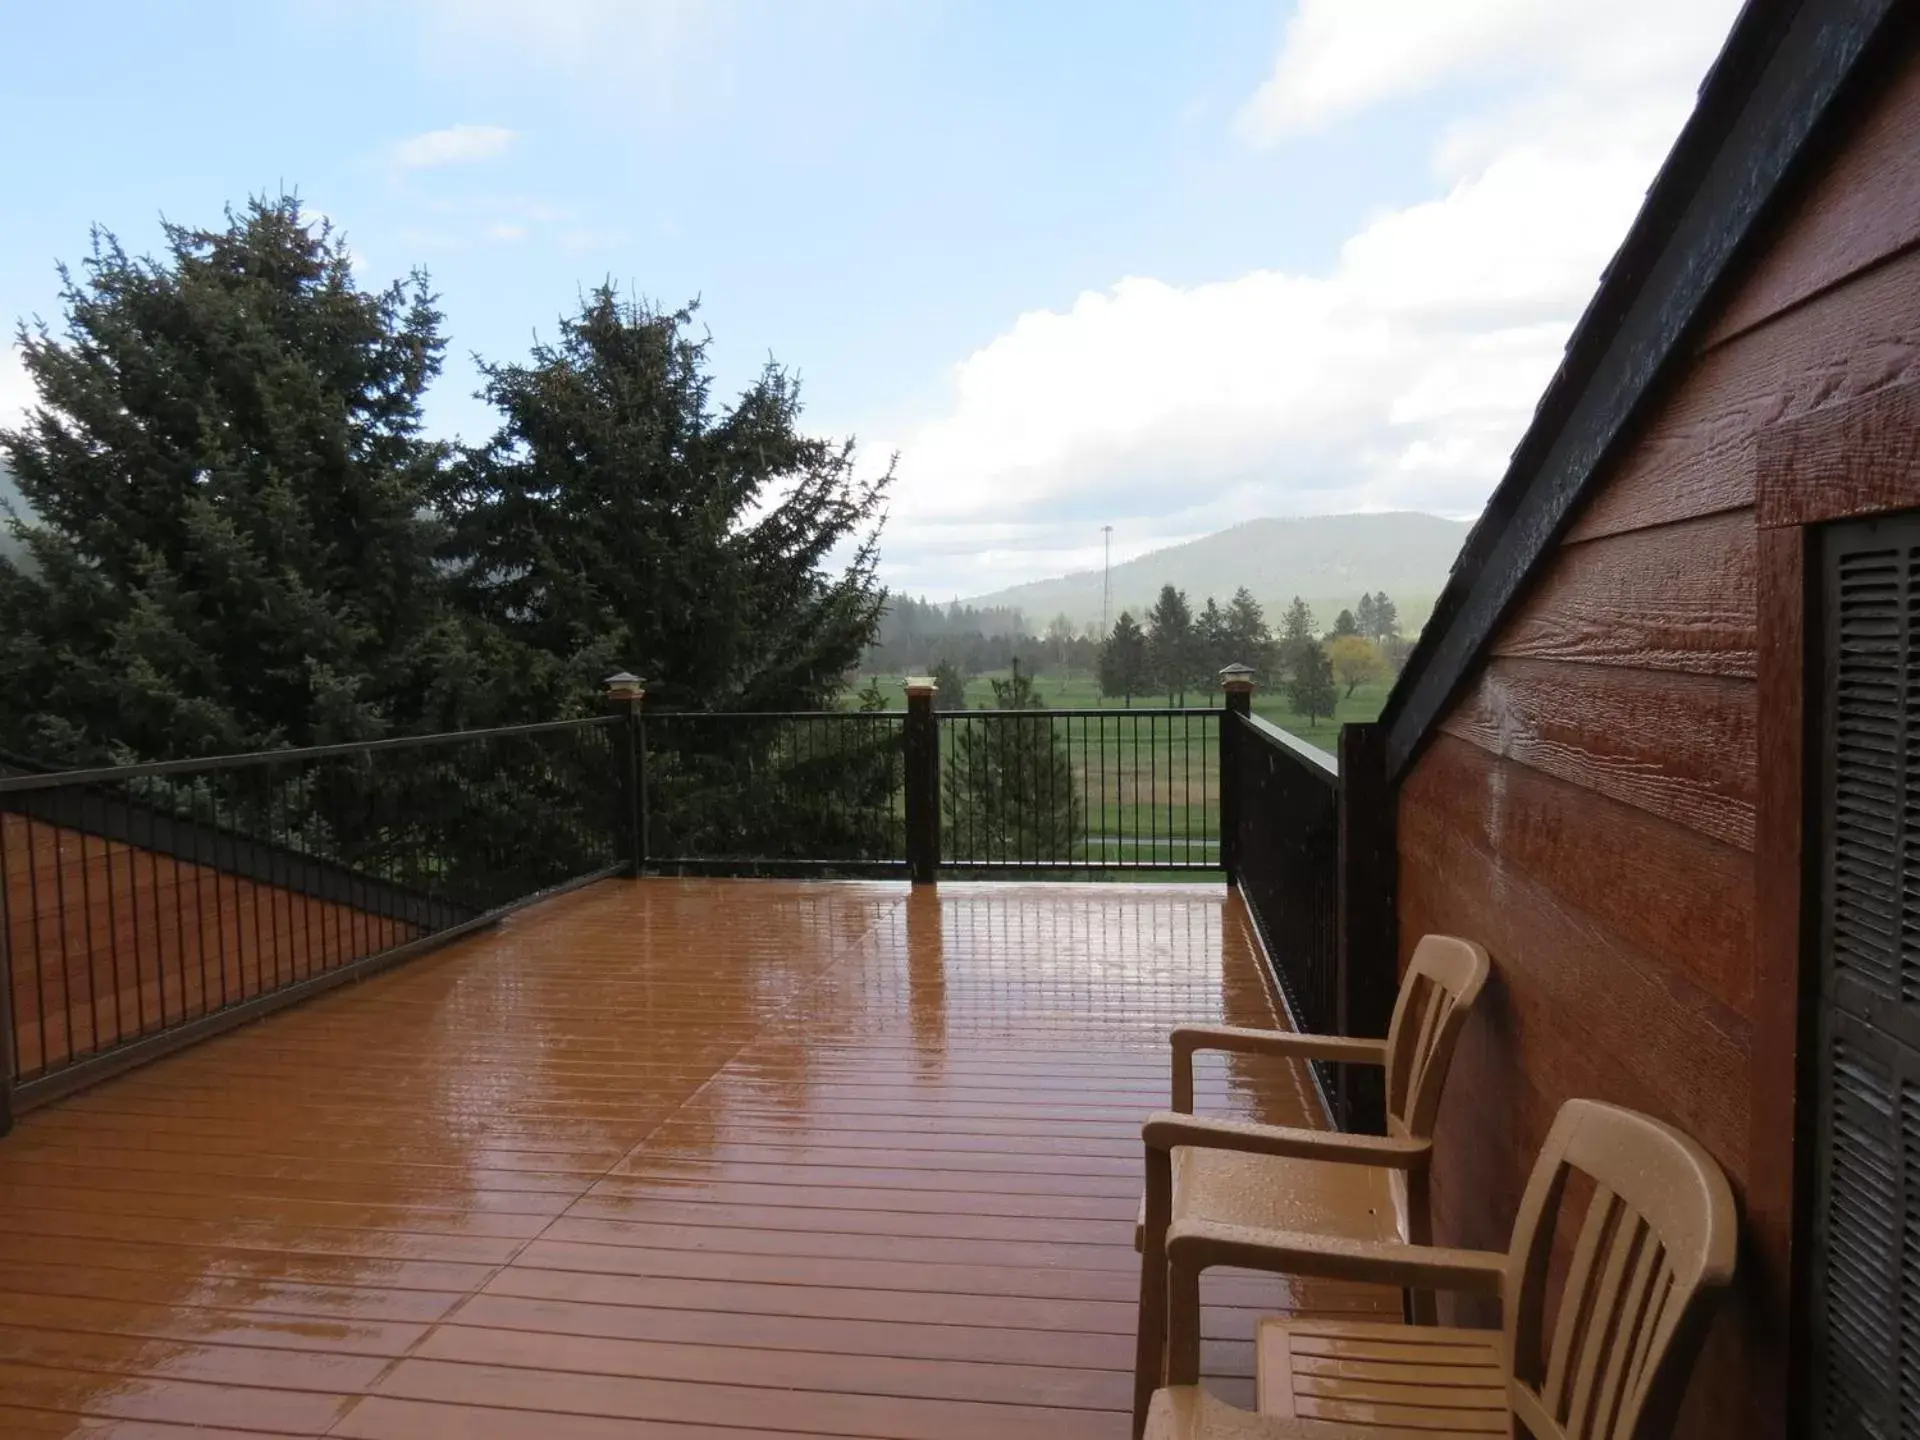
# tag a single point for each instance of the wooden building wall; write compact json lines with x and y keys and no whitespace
{"x":107,"y":942}
{"x":1588,"y":811}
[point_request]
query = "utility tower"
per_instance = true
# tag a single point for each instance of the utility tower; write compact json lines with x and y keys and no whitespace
{"x":1106,"y":580}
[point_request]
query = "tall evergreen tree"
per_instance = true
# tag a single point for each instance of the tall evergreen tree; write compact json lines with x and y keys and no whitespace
{"x":1296,"y":634}
{"x":1386,"y":620}
{"x":949,"y":686}
{"x":1011,"y":789}
{"x":619,"y":519}
{"x":1366,"y":616}
{"x":1298,"y":623}
{"x":1248,"y":638}
{"x":1172,"y":648}
{"x":1212,"y":642}
{"x":1311,"y":690}
{"x":1345,"y":623}
{"x":1125,"y":669}
{"x":227,"y":485}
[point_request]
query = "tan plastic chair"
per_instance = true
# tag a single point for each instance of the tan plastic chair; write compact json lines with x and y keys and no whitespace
{"x":1277,"y":1177}
{"x":1655,"y":1246}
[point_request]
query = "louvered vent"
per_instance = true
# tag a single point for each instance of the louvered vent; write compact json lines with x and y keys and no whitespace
{"x":1865,"y":1258}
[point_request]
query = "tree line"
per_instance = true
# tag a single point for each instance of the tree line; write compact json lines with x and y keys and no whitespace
{"x":1176,"y":651}
{"x":237,"y":534}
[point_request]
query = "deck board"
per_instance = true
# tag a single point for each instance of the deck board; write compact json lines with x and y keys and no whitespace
{"x":723,"y":1158}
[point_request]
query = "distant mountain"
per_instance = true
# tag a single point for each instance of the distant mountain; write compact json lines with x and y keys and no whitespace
{"x":1328,"y":560}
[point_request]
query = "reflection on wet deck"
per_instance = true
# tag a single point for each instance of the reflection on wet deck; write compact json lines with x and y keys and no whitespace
{"x":723,"y":1157}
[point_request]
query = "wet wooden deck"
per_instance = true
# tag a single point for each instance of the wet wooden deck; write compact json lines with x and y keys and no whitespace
{"x":667,"y":1158}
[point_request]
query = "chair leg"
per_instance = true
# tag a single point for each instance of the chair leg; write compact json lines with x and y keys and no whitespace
{"x":1183,"y":1323}
{"x":1149,"y":1361}
{"x":1150,"y":1352}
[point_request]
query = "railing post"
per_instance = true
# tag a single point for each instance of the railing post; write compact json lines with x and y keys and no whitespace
{"x":923,"y":782}
{"x":625,"y":695}
{"x":1368,"y":934}
{"x":1236,"y":681}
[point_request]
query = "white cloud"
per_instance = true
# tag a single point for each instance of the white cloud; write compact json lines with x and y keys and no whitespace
{"x":1399,"y":377}
{"x":455,"y":145}
{"x":16,"y":390}
{"x":1339,"y":58}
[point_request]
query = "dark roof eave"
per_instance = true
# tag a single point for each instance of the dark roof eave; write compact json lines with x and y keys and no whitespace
{"x":1786,"y":66}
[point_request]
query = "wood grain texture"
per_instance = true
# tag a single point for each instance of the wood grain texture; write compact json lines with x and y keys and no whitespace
{"x":1646,"y":879}
{"x":1633,"y":1021}
{"x":1696,"y":455}
{"x":1779,"y":929}
{"x":1677,"y":746}
{"x":1571,"y":1011}
{"x":1862,"y":458}
{"x":1676,"y":597}
{"x":1863,"y":207}
{"x":693,"y":1158}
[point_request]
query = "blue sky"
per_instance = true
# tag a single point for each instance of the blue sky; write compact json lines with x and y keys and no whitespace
{"x":1160,"y":266}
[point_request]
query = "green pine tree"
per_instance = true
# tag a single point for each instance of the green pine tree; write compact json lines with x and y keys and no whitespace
{"x":950,"y":686}
{"x":1296,"y":633}
{"x":1311,"y":691}
{"x":1386,"y":620}
{"x":1125,"y":668}
{"x":227,"y":489}
{"x":1172,"y":644}
{"x":1011,"y":789}
{"x":620,"y":519}
{"x":1249,"y":642}
{"x":1366,"y":617}
{"x":1213,"y":642}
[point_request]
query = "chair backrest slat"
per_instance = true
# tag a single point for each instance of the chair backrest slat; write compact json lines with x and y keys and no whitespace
{"x":1606,"y":1326}
{"x":1576,"y":1309}
{"x":1443,"y":980}
{"x":1638,"y":1318}
{"x":1655,"y":1244}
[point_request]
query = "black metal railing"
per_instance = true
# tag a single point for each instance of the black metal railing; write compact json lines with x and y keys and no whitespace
{"x":1285,"y":810}
{"x":1084,"y":791}
{"x":767,"y":793}
{"x":143,"y":906}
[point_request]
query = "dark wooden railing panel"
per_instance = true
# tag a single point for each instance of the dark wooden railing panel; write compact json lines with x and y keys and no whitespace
{"x":1287,"y":853}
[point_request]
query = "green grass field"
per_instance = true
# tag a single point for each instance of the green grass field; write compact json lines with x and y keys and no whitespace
{"x":1148,"y":787}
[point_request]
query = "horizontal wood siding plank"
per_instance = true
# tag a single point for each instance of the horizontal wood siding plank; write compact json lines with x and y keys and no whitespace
{"x":1647,"y":879}
{"x":1677,"y":746}
{"x":1636,"y":1025}
{"x":1864,"y":207}
{"x":1695,"y":455}
{"x":1679,"y":597}
{"x":1566,"y":1014}
{"x":1865,"y":455}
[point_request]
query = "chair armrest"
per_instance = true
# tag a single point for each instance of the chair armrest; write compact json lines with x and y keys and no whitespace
{"x":1290,"y":1044}
{"x":1198,"y":1244}
{"x":1168,"y":1129}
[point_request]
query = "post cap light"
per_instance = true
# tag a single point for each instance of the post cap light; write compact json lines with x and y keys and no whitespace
{"x":1236,"y":677}
{"x":921,"y":685}
{"x":625,"y":687}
